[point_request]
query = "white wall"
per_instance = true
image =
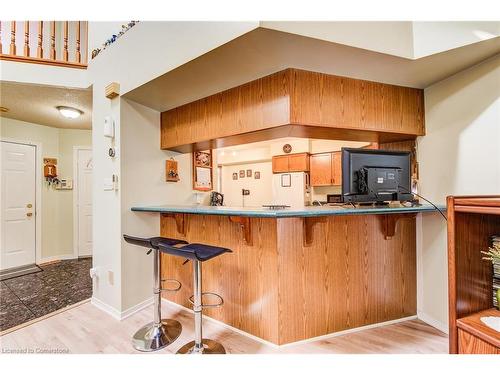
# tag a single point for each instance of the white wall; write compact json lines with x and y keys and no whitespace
{"x":435,"y":37}
{"x":459,"y":155}
{"x":164,"y":46}
{"x":394,"y":38}
{"x":57,"y":205}
{"x":261,"y":191}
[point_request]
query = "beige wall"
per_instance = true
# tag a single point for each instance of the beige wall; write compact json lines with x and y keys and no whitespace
{"x":57,"y":205}
{"x":261,"y":191}
{"x":459,"y":155}
{"x":143,"y":183}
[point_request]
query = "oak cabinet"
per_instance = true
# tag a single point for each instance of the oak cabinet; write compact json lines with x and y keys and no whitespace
{"x":280,"y":164}
{"x":471,"y":344}
{"x":321,"y":169}
{"x":326,"y":169}
{"x":337,"y":168}
{"x":291,"y":163}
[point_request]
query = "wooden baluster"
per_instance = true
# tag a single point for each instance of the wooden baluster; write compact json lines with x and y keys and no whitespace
{"x":39,"y":51}
{"x":78,"y":55}
{"x":12,"y":38}
{"x":65,"y":47}
{"x":53,"y":40}
{"x":26,"y":38}
{"x":1,"y":37}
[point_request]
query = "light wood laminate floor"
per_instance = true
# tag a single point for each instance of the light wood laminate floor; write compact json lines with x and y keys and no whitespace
{"x":86,"y":329}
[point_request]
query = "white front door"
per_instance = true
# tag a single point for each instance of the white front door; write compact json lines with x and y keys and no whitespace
{"x":18,"y":192}
{"x":84,"y":201}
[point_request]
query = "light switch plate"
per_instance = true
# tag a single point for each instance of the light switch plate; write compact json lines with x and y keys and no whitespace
{"x":108,"y":184}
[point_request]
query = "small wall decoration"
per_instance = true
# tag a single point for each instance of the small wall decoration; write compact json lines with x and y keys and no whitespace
{"x":235,"y":176}
{"x":50,"y":171}
{"x":257,"y":175}
{"x":287,"y":148}
{"x":242,"y":174}
{"x":171,"y":171}
{"x":114,"y":38}
{"x":202,"y":170}
{"x":249,"y":173}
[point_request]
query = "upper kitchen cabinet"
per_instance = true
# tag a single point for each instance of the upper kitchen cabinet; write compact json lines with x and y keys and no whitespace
{"x":291,"y":163}
{"x":326,"y":169}
{"x":296,"y":103}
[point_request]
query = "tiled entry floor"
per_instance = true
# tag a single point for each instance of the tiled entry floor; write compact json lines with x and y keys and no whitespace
{"x":31,"y":296}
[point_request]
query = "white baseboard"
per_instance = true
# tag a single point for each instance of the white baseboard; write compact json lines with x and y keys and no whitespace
{"x":55,"y":258}
{"x":312,"y":339}
{"x":106,"y":308}
{"x":120,"y":315}
{"x":132,"y":310}
{"x":432,"y":322}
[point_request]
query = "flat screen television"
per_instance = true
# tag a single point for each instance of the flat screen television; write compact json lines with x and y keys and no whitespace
{"x":375,"y":176}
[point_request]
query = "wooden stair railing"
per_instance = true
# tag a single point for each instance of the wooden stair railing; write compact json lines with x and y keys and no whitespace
{"x":66,"y":45}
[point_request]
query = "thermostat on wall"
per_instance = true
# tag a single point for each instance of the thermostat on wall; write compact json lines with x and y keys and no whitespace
{"x":65,"y":184}
{"x":109,"y":127}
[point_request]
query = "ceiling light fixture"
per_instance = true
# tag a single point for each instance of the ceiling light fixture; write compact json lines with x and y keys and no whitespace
{"x":69,"y":112}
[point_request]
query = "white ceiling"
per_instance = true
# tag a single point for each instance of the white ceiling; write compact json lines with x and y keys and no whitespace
{"x":37,"y":104}
{"x":264,"y":51}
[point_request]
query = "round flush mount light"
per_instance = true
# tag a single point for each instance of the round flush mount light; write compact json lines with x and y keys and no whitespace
{"x":4,"y":109}
{"x":69,"y":112}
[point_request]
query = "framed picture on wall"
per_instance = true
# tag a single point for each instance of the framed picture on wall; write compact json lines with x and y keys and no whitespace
{"x":256,"y":175}
{"x":286,"y":180}
{"x":203,"y":159}
{"x":249,"y":173}
{"x":242,"y":174}
{"x":202,"y":170}
{"x":235,"y":176}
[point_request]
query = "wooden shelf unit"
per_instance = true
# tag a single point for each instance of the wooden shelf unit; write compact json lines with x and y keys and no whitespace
{"x":472,"y":221}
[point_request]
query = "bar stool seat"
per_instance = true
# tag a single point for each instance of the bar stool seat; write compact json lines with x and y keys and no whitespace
{"x":198,"y":253}
{"x":160,"y":332}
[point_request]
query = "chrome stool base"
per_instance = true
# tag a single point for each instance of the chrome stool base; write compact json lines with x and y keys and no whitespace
{"x":209,"y":347}
{"x":153,"y":337}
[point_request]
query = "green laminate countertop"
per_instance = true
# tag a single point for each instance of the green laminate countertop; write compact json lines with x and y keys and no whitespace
{"x":308,"y":211}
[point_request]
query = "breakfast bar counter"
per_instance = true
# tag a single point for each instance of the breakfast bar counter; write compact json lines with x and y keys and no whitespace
{"x":296,"y":274}
{"x":307,"y":211}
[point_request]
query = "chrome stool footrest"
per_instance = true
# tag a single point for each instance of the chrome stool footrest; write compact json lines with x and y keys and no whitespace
{"x":177,"y":288}
{"x":220,"y":303}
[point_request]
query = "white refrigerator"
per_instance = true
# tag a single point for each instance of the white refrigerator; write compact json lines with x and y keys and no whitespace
{"x":291,"y":189}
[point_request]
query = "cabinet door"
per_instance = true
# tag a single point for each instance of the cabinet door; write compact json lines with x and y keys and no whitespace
{"x":280,"y":164}
{"x":337,"y":168}
{"x":469,"y":344}
{"x":321,"y":169}
{"x":298,"y":162}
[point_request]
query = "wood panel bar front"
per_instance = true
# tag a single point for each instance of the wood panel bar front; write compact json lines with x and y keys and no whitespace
{"x":283,"y":289}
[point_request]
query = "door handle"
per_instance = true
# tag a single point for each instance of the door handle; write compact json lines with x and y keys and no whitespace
{"x":29,"y":214}
{"x":29,"y":205}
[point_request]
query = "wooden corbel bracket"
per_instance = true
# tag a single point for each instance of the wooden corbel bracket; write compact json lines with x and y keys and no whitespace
{"x":309,"y":223}
{"x":180,"y":222}
{"x":389,"y":223}
{"x":246,"y":227}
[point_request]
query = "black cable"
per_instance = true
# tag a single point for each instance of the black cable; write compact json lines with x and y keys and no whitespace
{"x":428,"y":201}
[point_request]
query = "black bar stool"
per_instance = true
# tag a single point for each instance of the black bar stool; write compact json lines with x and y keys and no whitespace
{"x":160,"y":332}
{"x":198,"y":253}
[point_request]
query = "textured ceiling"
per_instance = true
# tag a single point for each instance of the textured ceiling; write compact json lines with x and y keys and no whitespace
{"x":37,"y":104}
{"x":262,"y":52}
